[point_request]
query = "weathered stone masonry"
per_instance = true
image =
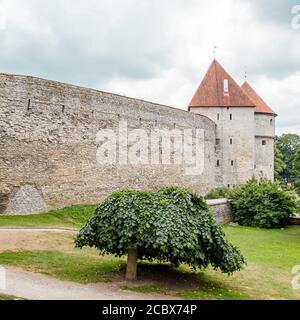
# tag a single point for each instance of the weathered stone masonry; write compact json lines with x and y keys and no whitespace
{"x":48,"y":145}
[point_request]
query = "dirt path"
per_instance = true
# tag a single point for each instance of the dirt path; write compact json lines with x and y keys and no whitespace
{"x":39,"y":287}
{"x":36,"y":286}
{"x":56,"y":230}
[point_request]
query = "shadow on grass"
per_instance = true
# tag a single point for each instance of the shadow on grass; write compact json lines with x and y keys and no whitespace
{"x":185,"y":283}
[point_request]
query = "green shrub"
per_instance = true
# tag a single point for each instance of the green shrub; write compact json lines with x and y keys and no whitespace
{"x":172,"y":225}
{"x":263,"y":204}
{"x":219,"y":193}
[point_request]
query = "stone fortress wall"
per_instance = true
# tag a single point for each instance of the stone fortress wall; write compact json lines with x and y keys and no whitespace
{"x":235,"y":143}
{"x":48,"y":145}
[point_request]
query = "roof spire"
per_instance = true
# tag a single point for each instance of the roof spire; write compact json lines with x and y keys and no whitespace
{"x":215,"y":50}
{"x":246,"y":74}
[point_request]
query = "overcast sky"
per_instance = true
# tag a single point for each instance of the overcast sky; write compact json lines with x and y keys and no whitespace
{"x":157,"y":50}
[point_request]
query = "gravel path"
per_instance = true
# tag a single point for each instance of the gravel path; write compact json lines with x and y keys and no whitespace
{"x":37,"y":230}
{"x":39,"y":287}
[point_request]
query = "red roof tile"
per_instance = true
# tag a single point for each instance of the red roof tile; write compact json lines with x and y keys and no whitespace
{"x":211,"y":90}
{"x":260,"y":105}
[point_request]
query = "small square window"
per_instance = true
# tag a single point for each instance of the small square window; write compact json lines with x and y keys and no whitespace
{"x":264,"y":142}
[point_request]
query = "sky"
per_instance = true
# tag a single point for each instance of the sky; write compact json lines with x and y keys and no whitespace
{"x":158,"y":50}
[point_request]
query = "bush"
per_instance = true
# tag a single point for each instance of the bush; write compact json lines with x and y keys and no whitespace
{"x":263,"y":204}
{"x":172,"y":225}
{"x":219,"y":193}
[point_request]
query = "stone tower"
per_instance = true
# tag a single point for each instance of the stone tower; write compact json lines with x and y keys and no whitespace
{"x":264,"y":134}
{"x":221,"y":99}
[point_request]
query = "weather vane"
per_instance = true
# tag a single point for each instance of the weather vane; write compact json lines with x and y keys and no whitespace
{"x":215,"y":50}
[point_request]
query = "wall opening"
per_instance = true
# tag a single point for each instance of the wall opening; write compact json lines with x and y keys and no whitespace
{"x":264,"y":142}
{"x":226,"y":86}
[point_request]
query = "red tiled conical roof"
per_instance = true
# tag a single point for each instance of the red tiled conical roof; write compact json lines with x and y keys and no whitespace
{"x":260,"y":105}
{"x":211,"y":90}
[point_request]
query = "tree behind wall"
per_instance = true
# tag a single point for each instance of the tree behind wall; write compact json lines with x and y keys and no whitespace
{"x":173,"y":225}
{"x":288,"y":144}
{"x":296,"y":170}
{"x":279,"y":165}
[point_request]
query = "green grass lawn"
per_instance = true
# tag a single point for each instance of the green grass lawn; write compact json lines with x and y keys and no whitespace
{"x":82,"y":268}
{"x":70,"y":217}
{"x":5,"y":297}
{"x":270,"y":255}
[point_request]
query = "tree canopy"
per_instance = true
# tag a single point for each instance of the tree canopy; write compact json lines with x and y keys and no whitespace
{"x":288,"y":144}
{"x":172,"y":225}
{"x":279,"y":164}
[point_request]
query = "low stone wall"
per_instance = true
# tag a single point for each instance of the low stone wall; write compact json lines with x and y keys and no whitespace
{"x":221,"y":208}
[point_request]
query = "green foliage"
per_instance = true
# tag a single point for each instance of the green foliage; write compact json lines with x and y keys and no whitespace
{"x":263,"y":204}
{"x":288,"y":144}
{"x":172,"y":225}
{"x":279,"y":165}
{"x":296,"y":170}
{"x":219,"y":193}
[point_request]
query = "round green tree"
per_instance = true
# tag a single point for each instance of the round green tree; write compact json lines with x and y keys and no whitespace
{"x":173,"y":225}
{"x":263,"y":204}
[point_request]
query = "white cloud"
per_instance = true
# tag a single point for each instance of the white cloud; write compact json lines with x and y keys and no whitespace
{"x":157,"y":50}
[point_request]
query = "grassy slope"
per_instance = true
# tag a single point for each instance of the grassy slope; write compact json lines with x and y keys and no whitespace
{"x":72,"y":217}
{"x":271,"y":255}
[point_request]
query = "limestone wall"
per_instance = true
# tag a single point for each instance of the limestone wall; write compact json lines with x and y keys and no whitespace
{"x":48,"y":145}
{"x":221,"y":209}
{"x":235,"y":145}
{"x":264,"y":145}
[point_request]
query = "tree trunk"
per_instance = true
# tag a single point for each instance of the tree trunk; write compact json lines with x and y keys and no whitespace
{"x":131,"y":271}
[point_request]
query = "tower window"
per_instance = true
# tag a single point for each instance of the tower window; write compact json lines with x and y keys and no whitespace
{"x":217,"y":141}
{"x":218,"y":163}
{"x":218,"y":116}
{"x":231,"y":141}
{"x":228,"y":185}
{"x":264,"y":142}
{"x":271,"y":122}
{"x":232,"y":163}
{"x":226,"y":86}
{"x":230,"y":116}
